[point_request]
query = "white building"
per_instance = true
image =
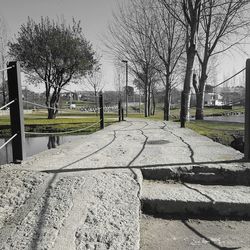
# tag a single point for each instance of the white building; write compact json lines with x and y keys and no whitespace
{"x":213,"y":99}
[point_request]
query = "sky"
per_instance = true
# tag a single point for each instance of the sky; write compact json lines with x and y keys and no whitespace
{"x":95,"y":16}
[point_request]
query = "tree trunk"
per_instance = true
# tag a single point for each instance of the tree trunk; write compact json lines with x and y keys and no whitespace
{"x":153,"y":104}
{"x":167,"y":104}
{"x":199,"y":106}
{"x":4,"y":89}
{"x":167,"y":99}
{"x":53,"y":104}
{"x":146,"y":102}
{"x":199,"y":115}
{"x":187,"y":82}
{"x":149,"y":100}
{"x":51,"y":114}
{"x":4,"y":94}
{"x":96,"y":102}
{"x":139,"y":101}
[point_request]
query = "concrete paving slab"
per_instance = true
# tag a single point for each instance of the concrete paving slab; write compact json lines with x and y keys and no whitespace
{"x":206,"y":174}
{"x":88,"y":194}
{"x":195,"y":200}
{"x":161,"y":234}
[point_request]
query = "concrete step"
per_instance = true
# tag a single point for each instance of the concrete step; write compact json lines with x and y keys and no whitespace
{"x":205,"y":175}
{"x":195,"y":200}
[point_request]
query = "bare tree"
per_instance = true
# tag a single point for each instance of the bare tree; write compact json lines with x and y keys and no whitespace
{"x":222,"y":25}
{"x":130,"y":39}
{"x":187,"y":12}
{"x":3,"y":58}
{"x":94,"y":81}
{"x":169,"y":43}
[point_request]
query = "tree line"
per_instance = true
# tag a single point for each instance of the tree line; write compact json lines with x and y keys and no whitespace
{"x":163,"y":40}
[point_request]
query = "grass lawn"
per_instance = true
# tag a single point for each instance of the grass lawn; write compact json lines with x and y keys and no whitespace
{"x":175,"y":113}
{"x":222,"y":132}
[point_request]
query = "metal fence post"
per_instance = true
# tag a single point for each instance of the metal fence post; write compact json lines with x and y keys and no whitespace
{"x":101,"y":111}
{"x":247,"y":113}
{"x":16,"y":112}
{"x":119,"y":110}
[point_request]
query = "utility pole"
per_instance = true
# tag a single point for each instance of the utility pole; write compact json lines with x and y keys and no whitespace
{"x":126,"y":89}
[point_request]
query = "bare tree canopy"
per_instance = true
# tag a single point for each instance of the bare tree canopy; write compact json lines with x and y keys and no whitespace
{"x":168,"y":39}
{"x":130,"y":39}
{"x":54,"y":52}
{"x":211,"y":27}
{"x":222,"y":26}
{"x":3,"y":59}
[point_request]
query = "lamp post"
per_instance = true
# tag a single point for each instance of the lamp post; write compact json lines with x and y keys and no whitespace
{"x":126,"y":89}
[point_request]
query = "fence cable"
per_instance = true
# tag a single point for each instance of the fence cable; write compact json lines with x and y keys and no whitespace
{"x":8,"y":104}
{"x":63,"y":133}
{"x":229,"y":78}
{"x":43,"y":106}
{"x":8,"y":141}
{"x":67,"y":110}
{"x":1,"y":70}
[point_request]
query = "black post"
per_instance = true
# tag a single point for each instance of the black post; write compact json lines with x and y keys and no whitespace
{"x":247,"y":113}
{"x":119,"y":110}
{"x":182,"y":112}
{"x":122,"y":113}
{"x":126,"y":88}
{"x":16,"y":112}
{"x":101,"y":111}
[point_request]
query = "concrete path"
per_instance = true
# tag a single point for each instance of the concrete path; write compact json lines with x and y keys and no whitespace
{"x":86,"y":194}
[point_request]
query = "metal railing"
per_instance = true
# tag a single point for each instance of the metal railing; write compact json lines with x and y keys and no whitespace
{"x":16,"y":112}
{"x":15,"y":106}
{"x":7,"y":105}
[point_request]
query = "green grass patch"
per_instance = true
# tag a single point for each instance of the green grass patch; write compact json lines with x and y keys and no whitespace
{"x":158,"y":116}
{"x":221,"y":132}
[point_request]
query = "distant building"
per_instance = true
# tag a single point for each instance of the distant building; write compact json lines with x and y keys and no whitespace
{"x":233,"y":96}
{"x":213,"y":99}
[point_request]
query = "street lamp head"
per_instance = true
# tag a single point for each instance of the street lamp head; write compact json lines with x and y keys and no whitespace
{"x":124,"y":61}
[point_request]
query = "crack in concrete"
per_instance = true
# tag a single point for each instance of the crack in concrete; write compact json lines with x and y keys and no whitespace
{"x":183,"y":141}
{"x":211,"y":242}
{"x":198,"y":191}
{"x":192,"y":161}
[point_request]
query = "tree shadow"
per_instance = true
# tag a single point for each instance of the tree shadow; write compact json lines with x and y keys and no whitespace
{"x":130,"y":166}
{"x":64,"y":170}
{"x":37,"y":234}
{"x":211,"y":242}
